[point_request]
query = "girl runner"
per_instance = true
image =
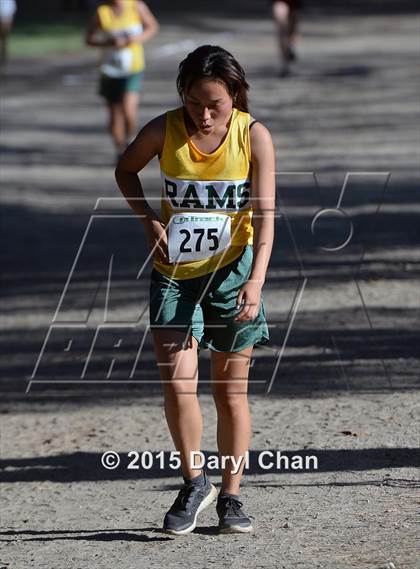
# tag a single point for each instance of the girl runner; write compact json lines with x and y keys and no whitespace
{"x":211,"y":247}
{"x":7,"y":14}
{"x":121,"y":27}
{"x":286,"y":14}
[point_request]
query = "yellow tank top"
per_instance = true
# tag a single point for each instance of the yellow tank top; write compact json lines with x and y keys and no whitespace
{"x":219,"y":182}
{"x":128,"y":60}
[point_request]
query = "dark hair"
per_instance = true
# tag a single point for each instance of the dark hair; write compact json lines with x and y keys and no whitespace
{"x":214,"y":62}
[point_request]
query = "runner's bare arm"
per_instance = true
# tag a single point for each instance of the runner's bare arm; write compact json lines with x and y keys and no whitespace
{"x":92,"y":36}
{"x":263,"y":202}
{"x":147,"y":144}
{"x":149,"y":22}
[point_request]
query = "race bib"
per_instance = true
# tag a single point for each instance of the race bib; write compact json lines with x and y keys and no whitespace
{"x":118,"y":62}
{"x":196,"y":236}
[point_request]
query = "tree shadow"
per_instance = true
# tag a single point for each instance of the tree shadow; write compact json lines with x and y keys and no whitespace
{"x":84,"y":466}
{"x":359,"y":348}
{"x":333,"y":349}
{"x":45,"y":536}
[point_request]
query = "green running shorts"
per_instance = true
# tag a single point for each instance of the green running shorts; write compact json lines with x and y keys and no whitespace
{"x":205,"y":307}
{"x":113,"y":89}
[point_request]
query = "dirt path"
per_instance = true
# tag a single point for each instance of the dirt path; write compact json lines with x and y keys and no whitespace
{"x":342,"y":379}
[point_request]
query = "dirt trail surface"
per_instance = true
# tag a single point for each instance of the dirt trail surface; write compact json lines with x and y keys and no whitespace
{"x":339,"y":380}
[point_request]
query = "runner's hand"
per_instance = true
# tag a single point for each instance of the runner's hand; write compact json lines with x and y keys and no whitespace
{"x":122,"y":41}
{"x":157,"y":239}
{"x":248,"y":301}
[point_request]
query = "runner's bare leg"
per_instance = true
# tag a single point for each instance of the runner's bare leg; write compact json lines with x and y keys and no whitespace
{"x":230,"y":391}
{"x":179,"y":374}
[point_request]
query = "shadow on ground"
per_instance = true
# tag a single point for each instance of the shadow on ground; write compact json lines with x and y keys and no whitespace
{"x":82,"y":466}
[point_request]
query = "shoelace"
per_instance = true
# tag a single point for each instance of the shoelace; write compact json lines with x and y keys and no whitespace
{"x":184,"y":495}
{"x":232,"y":505}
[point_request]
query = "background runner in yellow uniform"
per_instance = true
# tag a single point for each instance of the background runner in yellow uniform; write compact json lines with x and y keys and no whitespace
{"x":211,"y":246}
{"x":121,"y":27}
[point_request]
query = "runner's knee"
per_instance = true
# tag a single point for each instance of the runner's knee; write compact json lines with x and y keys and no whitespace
{"x":228,"y":402}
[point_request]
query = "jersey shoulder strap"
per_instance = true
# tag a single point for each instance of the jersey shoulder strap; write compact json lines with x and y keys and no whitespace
{"x":252,"y":124}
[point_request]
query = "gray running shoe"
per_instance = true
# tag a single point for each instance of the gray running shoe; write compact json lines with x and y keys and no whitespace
{"x":181,"y":518}
{"x":232,"y":519}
